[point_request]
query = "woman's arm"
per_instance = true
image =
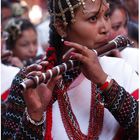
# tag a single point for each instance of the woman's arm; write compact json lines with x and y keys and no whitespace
{"x":23,"y":119}
{"x":124,"y":108}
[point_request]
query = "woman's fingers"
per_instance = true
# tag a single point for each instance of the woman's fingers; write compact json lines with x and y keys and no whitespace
{"x":76,"y":46}
{"x":90,"y":67}
{"x":37,"y":67}
{"x":66,"y":56}
{"x":78,"y":56}
{"x":78,"y":52}
{"x":33,"y":67}
{"x":52,"y":82}
{"x":44,"y":65}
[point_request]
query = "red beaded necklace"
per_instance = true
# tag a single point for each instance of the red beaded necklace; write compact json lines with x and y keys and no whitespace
{"x":71,"y":124}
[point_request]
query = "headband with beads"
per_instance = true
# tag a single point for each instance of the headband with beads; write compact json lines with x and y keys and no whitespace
{"x":62,"y":10}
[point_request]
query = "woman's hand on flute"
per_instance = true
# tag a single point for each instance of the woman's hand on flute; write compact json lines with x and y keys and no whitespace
{"x":38,"y":98}
{"x":90,"y":67}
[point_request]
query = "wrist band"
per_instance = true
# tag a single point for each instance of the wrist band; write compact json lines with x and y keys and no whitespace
{"x":106,"y":83}
{"x":35,"y":122}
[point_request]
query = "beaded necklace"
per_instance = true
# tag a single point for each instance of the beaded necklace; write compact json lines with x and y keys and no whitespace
{"x":71,"y":124}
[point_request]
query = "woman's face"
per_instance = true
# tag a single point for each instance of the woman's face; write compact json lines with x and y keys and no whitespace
{"x":118,"y":23}
{"x":92,"y":25}
{"x":26,"y":45}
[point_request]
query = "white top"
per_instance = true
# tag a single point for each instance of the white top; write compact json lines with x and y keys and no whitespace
{"x":131,"y":55}
{"x":80,"y":100}
{"x":7,"y":75}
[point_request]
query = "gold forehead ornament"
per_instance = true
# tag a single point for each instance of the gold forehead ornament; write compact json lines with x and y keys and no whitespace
{"x":62,"y":10}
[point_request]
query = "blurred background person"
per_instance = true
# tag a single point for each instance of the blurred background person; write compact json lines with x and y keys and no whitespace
{"x":121,"y":25}
{"x":22,"y":41}
{"x":6,"y":11}
{"x":37,"y":13}
{"x":118,"y":18}
{"x":133,"y":33}
{"x":132,"y":8}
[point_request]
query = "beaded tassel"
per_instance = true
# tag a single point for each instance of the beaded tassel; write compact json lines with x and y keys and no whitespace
{"x":83,"y":4}
{"x":62,"y":12}
{"x":71,"y":10}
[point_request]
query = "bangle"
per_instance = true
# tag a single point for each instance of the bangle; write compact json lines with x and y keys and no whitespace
{"x":106,"y":83}
{"x":35,"y":122}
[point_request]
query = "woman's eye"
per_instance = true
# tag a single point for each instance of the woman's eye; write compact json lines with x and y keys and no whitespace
{"x":107,"y":15}
{"x":116,"y":27}
{"x":93,"y":19}
{"x":24,"y":45}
